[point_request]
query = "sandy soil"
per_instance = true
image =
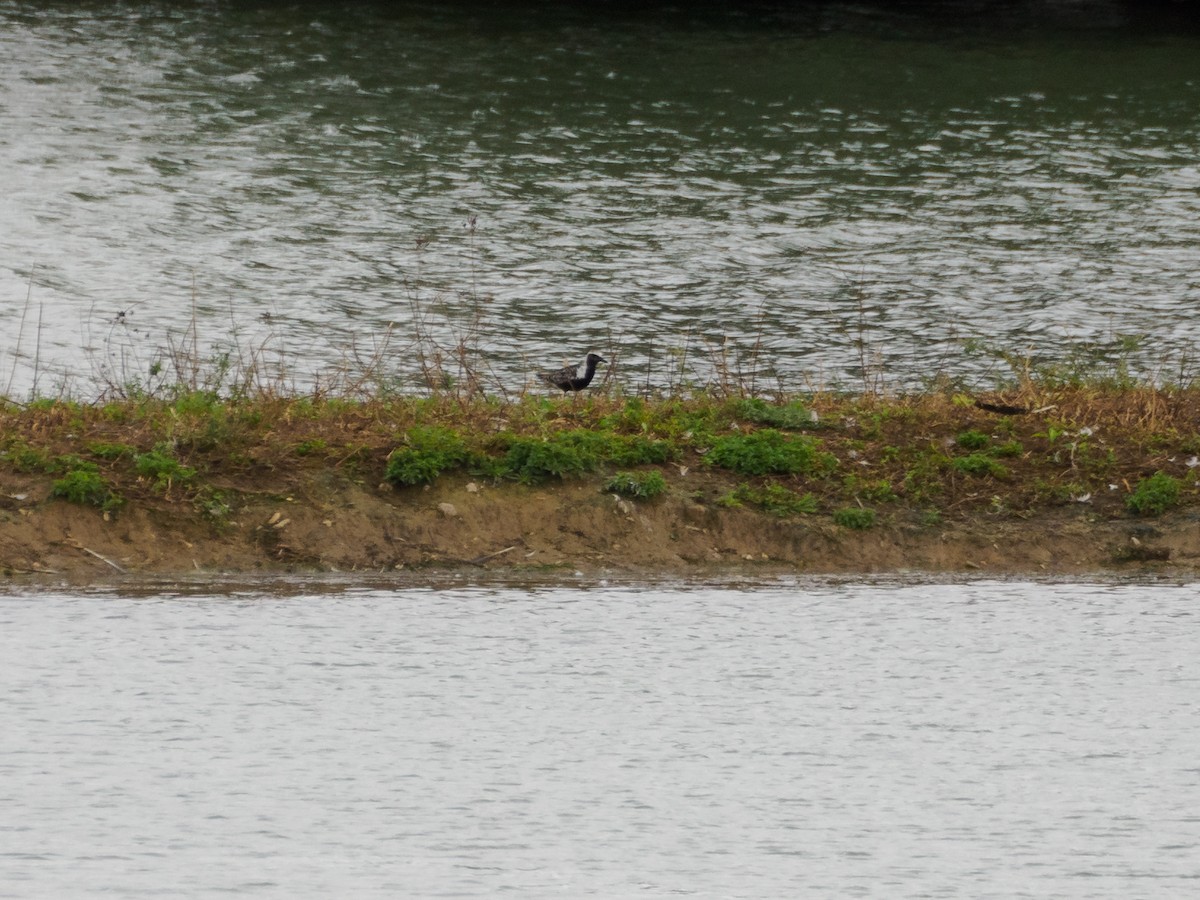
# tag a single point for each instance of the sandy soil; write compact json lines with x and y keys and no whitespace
{"x":322,"y":522}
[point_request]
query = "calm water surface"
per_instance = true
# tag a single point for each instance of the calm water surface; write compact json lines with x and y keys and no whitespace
{"x":645,"y":179}
{"x":794,"y":740}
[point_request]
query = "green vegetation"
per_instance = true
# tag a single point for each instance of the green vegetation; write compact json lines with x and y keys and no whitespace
{"x":877,"y":490}
{"x":768,"y":452}
{"x":84,"y":485}
{"x":160,"y":466}
{"x":109,"y":451}
{"x":215,"y":505}
{"x":640,"y":485}
{"x":1154,"y":495}
{"x":788,"y":416}
{"x":772,"y":498}
{"x":24,"y":458}
{"x":428,"y":452}
{"x":1009,"y":449}
{"x":856,"y":517}
{"x":531,"y":461}
{"x":931,"y":458}
{"x":310,"y":447}
{"x":431,"y":451}
{"x":972,"y":440}
{"x":979,"y":464}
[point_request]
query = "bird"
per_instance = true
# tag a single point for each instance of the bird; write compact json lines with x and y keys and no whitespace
{"x":567,"y":378}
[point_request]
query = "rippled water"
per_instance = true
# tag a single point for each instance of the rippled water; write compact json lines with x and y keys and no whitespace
{"x":812,"y":175}
{"x":793,"y":740}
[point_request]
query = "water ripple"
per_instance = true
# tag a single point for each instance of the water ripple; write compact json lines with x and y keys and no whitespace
{"x":781,"y":740}
{"x":632,"y":181}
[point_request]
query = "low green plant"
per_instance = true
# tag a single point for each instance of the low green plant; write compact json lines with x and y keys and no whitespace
{"x":732,"y":500}
{"x":201,"y":421}
{"x":564,"y":453}
{"x":925,"y":476}
{"x":789,"y":416}
{"x":929,"y":518}
{"x":214,"y":505}
{"x":162,"y":467}
{"x":768,"y":452}
{"x":642,"y":485}
{"x":107,"y":450}
{"x":530,"y":460}
{"x":877,"y":490}
{"x":85,"y":486}
{"x":1153,"y":496}
{"x":637,"y":450}
{"x":310,"y":447}
{"x":772,"y":498}
{"x":428,"y":451}
{"x":1008,"y":449}
{"x":856,"y":517}
{"x":24,"y":458}
{"x":871,"y":426}
{"x":972,"y":440}
{"x":979,"y":464}
{"x":1052,"y":433}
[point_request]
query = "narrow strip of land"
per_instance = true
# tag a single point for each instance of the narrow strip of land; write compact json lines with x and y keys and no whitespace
{"x":1063,"y":481}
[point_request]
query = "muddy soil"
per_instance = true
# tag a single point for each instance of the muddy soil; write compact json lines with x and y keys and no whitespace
{"x":324,"y":522}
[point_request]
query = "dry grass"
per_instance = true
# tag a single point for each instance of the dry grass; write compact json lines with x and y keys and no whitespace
{"x":1076,"y":444}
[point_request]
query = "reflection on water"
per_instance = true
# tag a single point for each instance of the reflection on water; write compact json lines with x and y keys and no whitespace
{"x":792,"y":740}
{"x":811,"y":175}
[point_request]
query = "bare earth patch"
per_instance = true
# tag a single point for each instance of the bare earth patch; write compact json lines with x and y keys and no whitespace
{"x":327,"y":523}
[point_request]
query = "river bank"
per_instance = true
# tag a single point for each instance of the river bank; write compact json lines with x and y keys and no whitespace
{"x":1062,"y":480}
{"x":326,"y":526}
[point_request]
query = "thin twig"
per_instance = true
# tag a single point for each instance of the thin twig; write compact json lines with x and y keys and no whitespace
{"x":20,"y":333}
{"x":103,"y":559}
{"x":480,"y":560}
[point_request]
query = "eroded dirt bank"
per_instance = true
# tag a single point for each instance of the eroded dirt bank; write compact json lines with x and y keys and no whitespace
{"x":326,"y":523}
{"x":1068,"y":481}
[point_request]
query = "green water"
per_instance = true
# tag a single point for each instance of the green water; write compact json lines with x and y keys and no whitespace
{"x":908,"y":188}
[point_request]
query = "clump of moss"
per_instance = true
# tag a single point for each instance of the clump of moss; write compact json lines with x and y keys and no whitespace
{"x":1153,"y":496}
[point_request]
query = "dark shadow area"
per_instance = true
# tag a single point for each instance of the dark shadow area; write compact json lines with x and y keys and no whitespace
{"x":902,"y":18}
